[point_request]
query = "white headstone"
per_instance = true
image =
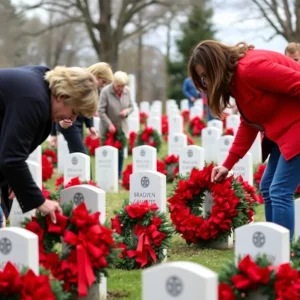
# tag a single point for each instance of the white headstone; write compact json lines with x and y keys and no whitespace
{"x":145,"y":107}
{"x":132,"y":87}
{"x":210,"y":137}
{"x":199,"y":102}
{"x":196,"y":111}
{"x":191,"y":157}
{"x":106,"y":166}
{"x":155,"y":123}
{"x":97,"y":123}
{"x":184,"y":105}
{"x":62,"y":152}
{"x":256,"y":150}
{"x":133,"y":124}
{"x":233,"y":121}
{"x":93,"y":197}
{"x":144,"y":158}
{"x":77,"y":164}
{"x":263,"y":238}
{"x":215,"y":123}
{"x":179,"y":280}
{"x":176,"y":142}
{"x":36,"y":155}
{"x":20,"y":247}
{"x":244,"y":167}
{"x":224,"y":144}
{"x":297,"y":219}
{"x":148,"y":185}
{"x":175,"y":124}
{"x":16,"y":216}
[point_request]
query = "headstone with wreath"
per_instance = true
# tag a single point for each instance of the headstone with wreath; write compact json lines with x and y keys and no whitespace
{"x":179,"y":280}
{"x":20,"y":247}
{"x":233,"y":121}
{"x":150,"y":186}
{"x":196,"y":111}
{"x":144,"y":158}
{"x":94,"y":198}
{"x":77,"y":164}
{"x":210,"y":137}
{"x":176,"y":142}
{"x":62,"y":152}
{"x":133,"y":124}
{"x":224,"y":145}
{"x":155,"y":123}
{"x":265,"y":238}
{"x":191,"y":157}
{"x":17,"y":217}
{"x":106,"y":168}
{"x":36,"y":155}
{"x":215,"y":123}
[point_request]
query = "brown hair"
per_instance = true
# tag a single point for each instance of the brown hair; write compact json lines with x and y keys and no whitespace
{"x":219,"y":63}
{"x":291,"y":48}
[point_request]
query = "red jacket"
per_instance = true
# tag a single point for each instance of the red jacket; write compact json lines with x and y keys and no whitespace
{"x":266,"y":87}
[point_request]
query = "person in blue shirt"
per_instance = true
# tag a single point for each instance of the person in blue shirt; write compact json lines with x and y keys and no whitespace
{"x":190,"y":91}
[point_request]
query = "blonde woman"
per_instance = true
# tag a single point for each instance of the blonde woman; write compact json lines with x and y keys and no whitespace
{"x":115,"y":106}
{"x":31,"y":98}
{"x":292,"y":50}
{"x":266,"y":88}
{"x":73,"y":132}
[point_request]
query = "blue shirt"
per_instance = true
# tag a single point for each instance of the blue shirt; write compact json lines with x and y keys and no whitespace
{"x":189,"y":89}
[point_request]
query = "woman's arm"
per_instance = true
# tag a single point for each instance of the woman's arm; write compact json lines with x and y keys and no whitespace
{"x":19,"y":128}
{"x":243,"y":141}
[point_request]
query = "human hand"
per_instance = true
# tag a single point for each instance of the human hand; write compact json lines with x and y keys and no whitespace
{"x":111,"y":128}
{"x":49,"y":207}
{"x":218,"y":173}
{"x":123,"y":113}
{"x":11,"y":194}
{"x":53,"y":141}
{"x":193,"y":99}
{"x":93,"y":132}
{"x":66,"y":123}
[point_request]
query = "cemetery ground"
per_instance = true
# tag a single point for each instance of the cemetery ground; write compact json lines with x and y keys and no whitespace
{"x":126,"y":285}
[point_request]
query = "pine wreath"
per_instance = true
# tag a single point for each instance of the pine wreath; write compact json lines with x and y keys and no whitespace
{"x":90,"y":247}
{"x":230,"y":208}
{"x":116,"y":139}
{"x":195,"y":126}
{"x":149,"y":136}
{"x":260,"y":277}
{"x":145,"y":233}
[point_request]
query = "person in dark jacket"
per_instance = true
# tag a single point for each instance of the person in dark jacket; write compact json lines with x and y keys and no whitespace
{"x":31,"y":98}
{"x":73,"y":132}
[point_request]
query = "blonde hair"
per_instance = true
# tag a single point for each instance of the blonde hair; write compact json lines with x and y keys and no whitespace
{"x":291,"y":48}
{"x":219,"y":63}
{"x":121,"y":78}
{"x":77,"y":85}
{"x":102,"y":70}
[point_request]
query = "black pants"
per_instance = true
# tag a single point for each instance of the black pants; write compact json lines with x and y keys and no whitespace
{"x":74,"y":137}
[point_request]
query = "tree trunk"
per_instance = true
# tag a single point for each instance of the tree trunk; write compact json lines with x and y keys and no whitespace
{"x":139,"y":77}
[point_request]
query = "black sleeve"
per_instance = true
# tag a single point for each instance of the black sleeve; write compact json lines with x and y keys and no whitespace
{"x":53,"y":129}
{"x":22,"y":121}
{"x":89,"y":122}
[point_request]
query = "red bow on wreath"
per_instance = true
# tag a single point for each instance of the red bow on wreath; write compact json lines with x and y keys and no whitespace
{"x":146,"y":235}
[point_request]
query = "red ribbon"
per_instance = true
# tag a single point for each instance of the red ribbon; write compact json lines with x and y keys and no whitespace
{"x":86,"y":275}
{"x":144,"y":245}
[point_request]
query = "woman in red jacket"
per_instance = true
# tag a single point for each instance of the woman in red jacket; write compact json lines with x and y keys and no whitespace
{"x":266,"y":88}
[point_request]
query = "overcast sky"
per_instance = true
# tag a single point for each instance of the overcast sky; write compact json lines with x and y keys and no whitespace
{"x":226,"y":22}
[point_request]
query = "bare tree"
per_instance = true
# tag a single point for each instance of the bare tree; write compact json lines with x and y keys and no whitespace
{"x":107,"y":23}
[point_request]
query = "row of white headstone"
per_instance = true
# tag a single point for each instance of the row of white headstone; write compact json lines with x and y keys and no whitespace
{"x":174,"y":280}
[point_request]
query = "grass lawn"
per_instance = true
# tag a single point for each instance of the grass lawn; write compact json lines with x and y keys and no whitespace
{"x":126,"y":285}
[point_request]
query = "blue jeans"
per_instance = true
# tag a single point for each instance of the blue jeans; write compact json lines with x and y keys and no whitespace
{"x":278,"y":186}
{"x":121,"y":161}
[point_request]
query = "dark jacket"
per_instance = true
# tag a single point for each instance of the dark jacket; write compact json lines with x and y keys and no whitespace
{"x":25,"y":122}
